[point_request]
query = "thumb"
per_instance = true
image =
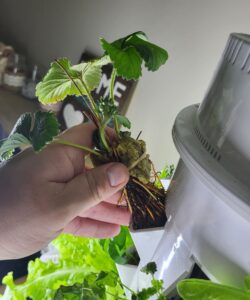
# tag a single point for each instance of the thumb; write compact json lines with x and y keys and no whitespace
{"x":93,"y":186}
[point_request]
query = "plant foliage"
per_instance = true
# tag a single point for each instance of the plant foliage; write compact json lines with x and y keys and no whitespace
{"x":128,"y":53}
{"x":81,"y":261}
{"x":198,"y":289}
{"x":36,"y":130}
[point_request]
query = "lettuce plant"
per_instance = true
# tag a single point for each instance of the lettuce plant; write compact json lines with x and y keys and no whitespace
{"x":81,"y":260}
{"x":121,"y":248}
{"x":84,"y":271}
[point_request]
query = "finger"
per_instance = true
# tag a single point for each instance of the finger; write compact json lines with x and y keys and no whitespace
{"x":90,"y":188}
{"x":67,"y":161}
{"x":111,"y":134}
{"x":80,"y":134}
{"x":114,"y":199}
{"x":91,"y":228}
{"x":109,"y":213}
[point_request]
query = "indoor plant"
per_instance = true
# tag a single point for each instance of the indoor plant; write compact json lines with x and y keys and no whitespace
{"x":144,"y":193}
{"x":144,"y":198}
{"x":83,"y":270}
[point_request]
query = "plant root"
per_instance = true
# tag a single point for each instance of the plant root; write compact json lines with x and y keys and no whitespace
{"x":147,"y":204}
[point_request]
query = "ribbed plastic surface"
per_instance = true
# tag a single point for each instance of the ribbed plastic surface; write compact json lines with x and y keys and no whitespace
{"x":223,"y":118}
{"x":208,"y":203}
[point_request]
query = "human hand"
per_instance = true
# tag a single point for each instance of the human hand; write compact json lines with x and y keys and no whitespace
{"x":50,"y":192}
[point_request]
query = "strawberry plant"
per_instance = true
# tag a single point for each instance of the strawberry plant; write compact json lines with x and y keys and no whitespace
{"x":144,"y":198}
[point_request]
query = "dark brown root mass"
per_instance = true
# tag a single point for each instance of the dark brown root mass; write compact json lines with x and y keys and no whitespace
{"x":147,"y":204}
{"x":145,"y":201}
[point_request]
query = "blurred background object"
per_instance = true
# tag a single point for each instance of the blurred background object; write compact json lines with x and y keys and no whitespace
{"x":194,"y":32}
{"x":5,"y":52}
{"x":12,"y":105}
{"x":29,"y":88}
{"x":15,"y":73}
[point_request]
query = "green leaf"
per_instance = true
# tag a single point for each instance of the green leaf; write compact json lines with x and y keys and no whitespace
{"x":162,"y":297}
{"x":150,"y":268}
{"x":127,"y":61}
{"x":18,"y":137}
{"x":121,"y":260}
{"x":102,"y":61}
{"x":157,"y":284}
{"x":121,"y":239}
{"x":124,"y":121}
{"x":247,"y":283}
{"x":166,"y":173}
{"x":23,"y":125}
{"x":114,"y":251}
{"x":128,"y":53}
{"x":78,"y":291}
{"x":91,"y":74}
{"x":146,"y":293}
{"x":156,"y":287}
{"x":8,"y":146}
{"x":45,"y":128}
{"x":63,"y":79}
{"x":80,"y":262}
{"x":109,"y":279}
{"x":56,"y":84}
{"x":120,"y":248}
{"x":197,"y":289}
{"x":153,"y":55}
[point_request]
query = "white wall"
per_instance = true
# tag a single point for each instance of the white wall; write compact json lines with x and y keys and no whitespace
{"x":194,"y":32}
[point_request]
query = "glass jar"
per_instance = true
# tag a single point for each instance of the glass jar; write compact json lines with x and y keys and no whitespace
{"x":5,"y":53}
{"x":15,"y":73}
{"x":29,"y":89}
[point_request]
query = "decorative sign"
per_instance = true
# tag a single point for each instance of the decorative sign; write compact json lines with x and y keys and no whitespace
{"x":72,"y":116}
{"x":71,"y":111}
{"x":123,"y":89}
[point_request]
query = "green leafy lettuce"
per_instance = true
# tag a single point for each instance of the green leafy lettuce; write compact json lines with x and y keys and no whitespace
{"x":81,"y":260}
{"x":121,"y":248}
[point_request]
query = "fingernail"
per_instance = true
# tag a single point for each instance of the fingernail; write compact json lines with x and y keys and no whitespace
{"x":116,"y":174}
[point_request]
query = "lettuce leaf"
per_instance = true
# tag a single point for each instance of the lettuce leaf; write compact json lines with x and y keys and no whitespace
{"x":79,"y":259}
{"x":121,"y":248}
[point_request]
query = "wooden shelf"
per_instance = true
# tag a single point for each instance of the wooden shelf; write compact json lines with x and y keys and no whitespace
{"x":12,"y":105}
